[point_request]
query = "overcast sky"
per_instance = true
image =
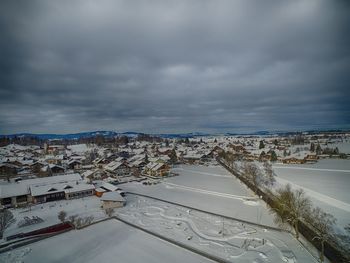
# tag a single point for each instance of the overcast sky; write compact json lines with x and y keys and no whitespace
{"x":174,"y":66}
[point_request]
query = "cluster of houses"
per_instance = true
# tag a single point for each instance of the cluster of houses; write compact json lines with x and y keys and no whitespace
{"x":280,"y":149}
{"x":60,"y":187}
{"x":132,"y":160}
{"x":33,"y":174}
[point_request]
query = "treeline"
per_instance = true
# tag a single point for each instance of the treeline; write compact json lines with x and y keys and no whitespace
{"x":148,"y":138}
{"x":21,"y":140}
{"x":98,"y":139}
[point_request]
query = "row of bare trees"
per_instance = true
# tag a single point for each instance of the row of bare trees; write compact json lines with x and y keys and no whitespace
{"x":77,"y":221}
{"x":292,"y":207}
{"x":257,"y":177}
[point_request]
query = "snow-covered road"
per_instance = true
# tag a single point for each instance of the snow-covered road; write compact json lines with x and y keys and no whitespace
{"x":200,"y":172}
{"x":311,"y":169}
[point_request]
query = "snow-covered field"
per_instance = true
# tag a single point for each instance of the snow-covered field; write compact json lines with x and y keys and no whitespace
{"x":84,"y":207}
{"x":208,"y":188}
{"x":326,"y":182}
{"x":227,"y":239}
{"x":344,"y":147}
{"x":108,"y":241}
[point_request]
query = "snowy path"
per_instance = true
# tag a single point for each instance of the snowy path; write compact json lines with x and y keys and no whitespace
{"x":228,"y":239}
{"x":197,"y":190}
{"x":205,"y":173}
{"x":310,"y":169}
{"x":109,"y":241}
{"x":321,"y":197}
{"x":195,"y":229}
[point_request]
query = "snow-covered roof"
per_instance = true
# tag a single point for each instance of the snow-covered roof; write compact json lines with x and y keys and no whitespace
{"x":13,"y":189}
{"x":100,"y":190}
{"x":154,"y":166}
{"x":136,"y":163}
{"x":87,"y":173}
{"x":78,"y":148}
{"x":109,"y":187}
{"x":23,"y":187}
{"x":112,"y":196}
{"x":37,"y":190}
{"x":112,"y":166}
{"x":193,"y":155}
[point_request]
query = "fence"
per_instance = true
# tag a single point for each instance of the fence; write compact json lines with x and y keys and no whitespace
{"x":23,"y":239}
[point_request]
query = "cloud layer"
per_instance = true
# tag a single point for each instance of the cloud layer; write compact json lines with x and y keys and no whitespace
{"x":174,"y":66}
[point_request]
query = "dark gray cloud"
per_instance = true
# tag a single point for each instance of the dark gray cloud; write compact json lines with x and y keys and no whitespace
{"x":174,"y":66}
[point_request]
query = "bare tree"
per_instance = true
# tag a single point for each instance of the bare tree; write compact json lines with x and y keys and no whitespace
{"x":269,"y":174}
{"x":230,"y":158}
{"x":72,"y":218}
{"x":88,"y":220}
{"x":78,"y":222}
{"x":6,"y":219}
{"x":235,"y":165}
{"x":252,"y":173}
{"x":322,"y":223}
{"x":292,"y":206}
{"x":62,"y":216}
{"x":90,"y":178}
{"x":109,"y":212}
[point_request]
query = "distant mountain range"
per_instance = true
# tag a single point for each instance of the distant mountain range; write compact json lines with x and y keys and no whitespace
{"x":73,"y":136}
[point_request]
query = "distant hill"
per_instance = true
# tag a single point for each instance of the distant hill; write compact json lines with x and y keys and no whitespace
{"x":72,"y":136}
{"x":69,"y":136}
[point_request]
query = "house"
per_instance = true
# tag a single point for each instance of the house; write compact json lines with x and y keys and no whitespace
{"x":237,"y":148}
{"x":293,"y":160}
{"x":7,"y":169}
{"x":136,"y":167}
{"x":100,"y":162}
{"x":100,"y":191}
{"x":55,"y":159}
{"x":62,"y":190}
{"x":117,"y":168}
{"x":157,"y":169}
{"x":112,"y":200}
{"x":74,"y":164}
{"x":14,"y":194}
{"x":56,"y":169}
{"x":194,"y":157}
{"x":36,"y":167}
{"x":54,"y":149}
{"x":311,"y":157}
{"x":44,"y":189}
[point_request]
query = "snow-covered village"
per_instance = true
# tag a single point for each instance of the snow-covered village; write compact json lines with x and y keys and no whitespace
{"x":174,"y":131}
{"x":272,"y":198}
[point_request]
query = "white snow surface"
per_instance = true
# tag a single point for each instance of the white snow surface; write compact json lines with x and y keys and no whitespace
{"x":326,"y":182}
{"x":108,"y":241}
{"x":228,"y":239}
{"x":83,"y":207}
{"x":211,"y":189}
